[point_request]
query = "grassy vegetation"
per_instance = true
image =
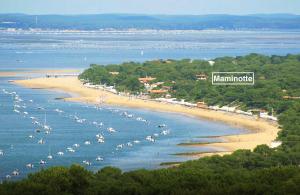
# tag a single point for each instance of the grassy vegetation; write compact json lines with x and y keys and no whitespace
{"x":263,"y":171}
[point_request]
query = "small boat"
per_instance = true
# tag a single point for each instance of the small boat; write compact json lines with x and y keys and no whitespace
{"x":150,"y":138}
{"x":165,"y":132}
{"x":8,"y":177}
{"x":99,"y":158}
{"x":30,"y":166}
{"x":15,"y":172}
{"x":88,"y":163}
{"x":111,"y":130}
{"x":87,"y":142}
{"x":76,"y":145}
{"x":162,"y":125}
{"x":17,"y":111}
{"x":41,"y":141}
{"x":60,"y":153}
{"x":129,"y":144}
{"x":42,"y":162}
{"x":38,"y":130}
{"x":155,"y":134}
{"x":69,"y":149}
{"x":136,"y":141}
{"x":50,"y":157}
{"x":45,"y":126}
{"x":120,"y":146}
{"x":99,"y":140}
{"x":31,"y":136}
{"x":1,"y":153}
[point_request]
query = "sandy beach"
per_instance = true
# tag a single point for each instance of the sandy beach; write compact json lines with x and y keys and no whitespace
{"x":28,"y":73}
{"x":261,"y":131}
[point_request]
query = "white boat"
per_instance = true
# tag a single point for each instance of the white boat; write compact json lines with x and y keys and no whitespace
{"x":99,"y":158}
{"x":45,"y":126}
{"x":165,"y":132}
{"x":129,"y":144}
{"x":88,"y":163}
{"x":100,"y":136}
{"x":136,"y":141}
{"x":60,"y":153}
{"x":30,"y":166}
{"x":111,"y":130}
{"x":1,"y":153}
{"x":150,"y":138}
{"x":69,"y":149}
{"x":87,"y":142}
{"x":41,"y":141}
{"x":31,"y":136}
{"x":7,"y":176}
{"x":120,"y":146}
{"x":76,"y":145}
{"x":99,"y":140}
{"x":42,"y":162}
{"x":17,"y":111}
{"x":15,"y":172}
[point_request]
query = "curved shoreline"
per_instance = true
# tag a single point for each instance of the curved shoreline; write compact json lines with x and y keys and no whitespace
{"x":262,"y":131}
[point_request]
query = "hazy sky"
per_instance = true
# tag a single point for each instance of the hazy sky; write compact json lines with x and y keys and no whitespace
{"x":196,"y":7}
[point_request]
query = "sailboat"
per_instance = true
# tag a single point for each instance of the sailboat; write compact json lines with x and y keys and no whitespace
{"x":49,"y":155}
{"x":46,"y":127}
{"x":41,"y":141}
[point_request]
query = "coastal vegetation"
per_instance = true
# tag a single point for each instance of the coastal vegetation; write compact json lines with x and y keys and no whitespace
{"x":261,"y":171}
{"x":276,"y":86}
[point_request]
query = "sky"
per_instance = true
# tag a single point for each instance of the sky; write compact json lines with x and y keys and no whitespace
{"x":169,"y":7}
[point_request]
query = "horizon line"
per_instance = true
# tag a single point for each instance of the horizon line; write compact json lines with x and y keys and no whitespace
{"x":145,"y":14}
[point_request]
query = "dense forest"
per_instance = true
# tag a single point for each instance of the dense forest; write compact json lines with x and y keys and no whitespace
{"x":275,"y":77}
{"x":262,"y":171}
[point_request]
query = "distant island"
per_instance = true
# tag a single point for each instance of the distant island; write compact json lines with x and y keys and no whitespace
{"x":164,"y":22}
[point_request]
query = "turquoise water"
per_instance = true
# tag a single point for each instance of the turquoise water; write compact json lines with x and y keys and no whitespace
{"x":19,"y":149}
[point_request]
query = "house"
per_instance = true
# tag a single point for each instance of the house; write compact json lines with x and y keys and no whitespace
{"x":158,"y":91}
{"x":291,"y":97}
{"x":201,"y":77}
{"x":146,"y":79}
{"x":201,"y":105}
{"x":167,"y":88}
{"x":114,"y":73}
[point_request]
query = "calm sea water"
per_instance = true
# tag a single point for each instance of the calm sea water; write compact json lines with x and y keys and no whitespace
{"x":75,"y":123}
{"x":78,"y":50}
{"x":17,"y":125}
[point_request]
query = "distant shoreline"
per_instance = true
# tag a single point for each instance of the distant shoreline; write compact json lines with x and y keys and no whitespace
{"x":262,"y":131}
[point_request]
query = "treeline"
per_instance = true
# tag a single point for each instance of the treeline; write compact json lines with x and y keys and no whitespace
{"x":263,"y":171}
{"x":275,"y":77}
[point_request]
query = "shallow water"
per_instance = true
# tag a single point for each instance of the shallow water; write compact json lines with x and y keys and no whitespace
{"x":20,"y":150}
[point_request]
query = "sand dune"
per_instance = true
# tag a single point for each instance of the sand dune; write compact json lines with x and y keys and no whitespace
{"x":261,"y":131}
